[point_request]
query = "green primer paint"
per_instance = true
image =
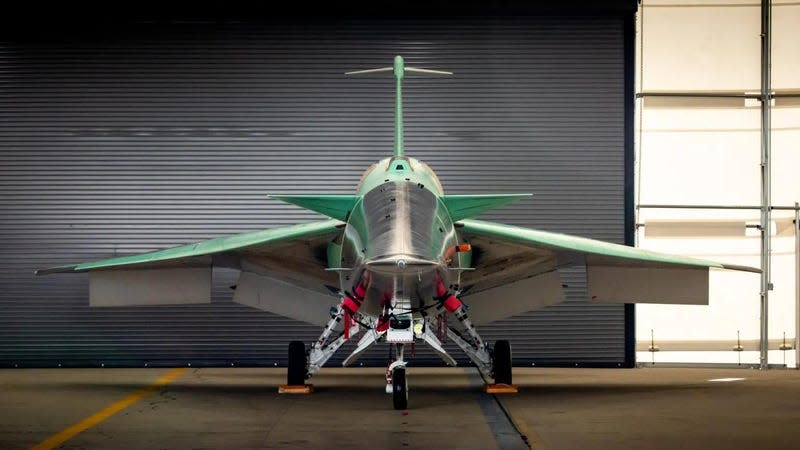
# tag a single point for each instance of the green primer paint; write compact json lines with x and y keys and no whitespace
{"x":566,"y":243}
{"x":218,"y":245}
{"x":399,"y":73}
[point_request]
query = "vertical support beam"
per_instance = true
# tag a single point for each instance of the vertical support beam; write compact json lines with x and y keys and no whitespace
{"x":797,"y":285}
{"x":766,"y":200}
{"x":629,"y":39}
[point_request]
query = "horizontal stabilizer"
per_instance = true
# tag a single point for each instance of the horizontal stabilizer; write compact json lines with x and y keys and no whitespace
{"x":465,"y":206}
{"x":334,"y":206}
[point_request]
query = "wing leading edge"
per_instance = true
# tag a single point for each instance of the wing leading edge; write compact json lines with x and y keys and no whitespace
{"x":565,"y":243}
{"x":191,"y":254}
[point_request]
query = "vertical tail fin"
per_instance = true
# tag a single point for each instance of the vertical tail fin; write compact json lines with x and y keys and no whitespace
{"x":399,"y":69}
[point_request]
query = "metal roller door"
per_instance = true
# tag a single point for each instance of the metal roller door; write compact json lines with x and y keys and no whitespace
{"x":156,"y":135}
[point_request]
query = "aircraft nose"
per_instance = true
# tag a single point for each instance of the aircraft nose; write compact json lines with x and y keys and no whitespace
{"x":401,"y":264}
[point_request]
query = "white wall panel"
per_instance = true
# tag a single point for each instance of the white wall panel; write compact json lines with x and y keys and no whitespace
{"x":700,"y":45}
{"x":707,"y":151}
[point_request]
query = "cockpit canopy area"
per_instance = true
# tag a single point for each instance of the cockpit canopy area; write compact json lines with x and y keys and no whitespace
{"x":400,"y":168}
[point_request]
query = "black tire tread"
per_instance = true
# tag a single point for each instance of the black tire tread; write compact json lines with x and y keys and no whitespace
{"x":501,"y":362}
{"x":296,"y":372}
{"x":399,"y":389}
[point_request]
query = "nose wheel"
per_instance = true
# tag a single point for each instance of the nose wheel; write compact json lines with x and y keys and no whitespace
{"x":399,"y":388}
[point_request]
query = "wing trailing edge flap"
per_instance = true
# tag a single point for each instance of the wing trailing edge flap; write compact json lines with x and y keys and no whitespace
{"x":150,"y":287}
{"x":283,"y":297}
{"x":623,"y":284}
{"x":464,"y":206}
{"x":515,"y":298}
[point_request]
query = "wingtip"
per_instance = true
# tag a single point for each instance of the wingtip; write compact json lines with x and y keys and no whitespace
{"x":741,"y":268}
{"x":59,"y":269}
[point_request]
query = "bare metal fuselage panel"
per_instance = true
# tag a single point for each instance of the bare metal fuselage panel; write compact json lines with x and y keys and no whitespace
{"x":400,"y":234}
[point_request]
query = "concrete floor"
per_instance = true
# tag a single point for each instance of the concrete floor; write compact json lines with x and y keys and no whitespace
{"x":556,"y":409}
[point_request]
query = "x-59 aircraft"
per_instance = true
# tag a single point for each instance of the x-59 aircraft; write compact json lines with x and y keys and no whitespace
{"x":395,"y":261}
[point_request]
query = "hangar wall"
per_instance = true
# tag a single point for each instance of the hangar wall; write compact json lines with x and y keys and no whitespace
{"x":696,"y":150}
{"x":151,"y":135}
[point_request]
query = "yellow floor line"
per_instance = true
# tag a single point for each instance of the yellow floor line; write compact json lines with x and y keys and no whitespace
{"x":68,"y":433}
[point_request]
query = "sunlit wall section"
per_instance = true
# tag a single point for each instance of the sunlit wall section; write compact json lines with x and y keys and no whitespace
{"x":695,"y":150}
{"x":700,"y":45}
{"x":786,"y":167}
{"x":785,"y":46}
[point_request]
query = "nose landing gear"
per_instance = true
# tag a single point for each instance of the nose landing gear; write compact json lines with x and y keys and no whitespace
{"x":399,"y":388}
{"x":396,"y":382}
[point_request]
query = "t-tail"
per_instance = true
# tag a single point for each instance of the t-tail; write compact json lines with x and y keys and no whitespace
{"x":399,"y":69}
{"x":459,"y":206}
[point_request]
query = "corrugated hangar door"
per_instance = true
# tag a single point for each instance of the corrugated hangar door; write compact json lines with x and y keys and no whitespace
{"x":152,"y":135}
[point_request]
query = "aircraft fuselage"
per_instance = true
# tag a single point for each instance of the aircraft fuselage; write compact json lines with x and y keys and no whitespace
{"x":399,"y":238}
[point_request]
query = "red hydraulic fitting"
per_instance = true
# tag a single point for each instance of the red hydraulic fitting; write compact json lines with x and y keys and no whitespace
{"x":383,"y":323}
{"x":441,"y":290}
{"x":350,"y":304}
{"x":360,"y":290}
{"x":452,"y":303}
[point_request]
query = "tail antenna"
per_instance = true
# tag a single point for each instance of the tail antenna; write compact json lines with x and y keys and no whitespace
{"x":399,"y":69}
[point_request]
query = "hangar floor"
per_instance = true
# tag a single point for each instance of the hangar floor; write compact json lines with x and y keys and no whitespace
{"x":555,"y":409}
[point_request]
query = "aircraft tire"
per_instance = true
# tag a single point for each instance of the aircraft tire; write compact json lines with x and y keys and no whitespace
{"x":501,"y":362}
{"x":399,"y":388}
{"x":296,"y":372}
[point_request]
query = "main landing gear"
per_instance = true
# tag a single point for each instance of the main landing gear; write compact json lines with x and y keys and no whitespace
{"x":496,"y":365}
{"x":298,"y":365}
{"x":501,"y":363}
{"x":399,"y":330}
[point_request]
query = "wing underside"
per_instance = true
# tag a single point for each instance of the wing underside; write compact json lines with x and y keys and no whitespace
{"x":281,"y":268}
{"x":283,"y":271}
{"x":516,"y":270}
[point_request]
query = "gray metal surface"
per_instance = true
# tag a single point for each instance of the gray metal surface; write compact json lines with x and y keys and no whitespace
{"x":395,"y":222}
{"x":766,"y":179}
{"x":391,"y":209}
{"x":159,"y":135}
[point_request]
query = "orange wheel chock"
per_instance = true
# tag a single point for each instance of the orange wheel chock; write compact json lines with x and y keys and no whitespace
{"x":500,"y":388}
{"x":295,"y":388}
